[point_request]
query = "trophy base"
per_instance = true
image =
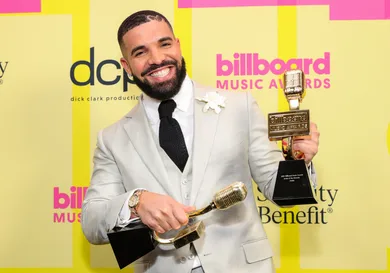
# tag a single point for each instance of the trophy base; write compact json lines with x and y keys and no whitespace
{"x":131,"y":243}
{"x":189,"y":234}
{"x":293,"y":185}
{"x":136,"y":240}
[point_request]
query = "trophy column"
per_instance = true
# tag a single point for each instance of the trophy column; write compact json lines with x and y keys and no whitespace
{"x":293,"y":185}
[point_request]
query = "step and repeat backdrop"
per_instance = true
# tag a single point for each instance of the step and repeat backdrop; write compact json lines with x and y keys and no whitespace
{"x":61,"y":82}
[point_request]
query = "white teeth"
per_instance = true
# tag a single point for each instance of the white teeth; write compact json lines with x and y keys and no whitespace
{"x":161,"y":73}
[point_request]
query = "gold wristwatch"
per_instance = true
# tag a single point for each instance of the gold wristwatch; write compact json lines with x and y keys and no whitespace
{"x":134,"y":200}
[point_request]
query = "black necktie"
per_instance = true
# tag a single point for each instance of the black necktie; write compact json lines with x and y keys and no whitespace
{"x":171,"y":136}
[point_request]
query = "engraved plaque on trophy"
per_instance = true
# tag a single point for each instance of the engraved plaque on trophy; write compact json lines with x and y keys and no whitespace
{"x":293,"y":185}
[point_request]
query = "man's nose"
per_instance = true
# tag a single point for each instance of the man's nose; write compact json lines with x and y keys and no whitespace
{"x":156,"y":57}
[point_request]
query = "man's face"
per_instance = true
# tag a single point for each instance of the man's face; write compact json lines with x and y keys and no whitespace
{"x":152,"y":55}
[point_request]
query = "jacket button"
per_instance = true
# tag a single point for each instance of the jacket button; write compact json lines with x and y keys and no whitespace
{"x":183,"y":260}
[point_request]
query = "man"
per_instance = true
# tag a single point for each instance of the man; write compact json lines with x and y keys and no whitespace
{"x":157,"y":165}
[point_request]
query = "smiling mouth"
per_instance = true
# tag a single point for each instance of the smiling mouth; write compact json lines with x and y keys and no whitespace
{"x":161,"y":73}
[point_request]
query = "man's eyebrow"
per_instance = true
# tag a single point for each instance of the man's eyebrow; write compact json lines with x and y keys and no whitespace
{"x":136,"y":49}
{"x":165,"y":39}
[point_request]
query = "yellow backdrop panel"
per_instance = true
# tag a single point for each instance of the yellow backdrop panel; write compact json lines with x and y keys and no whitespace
{"x":36,"y":140}
{"x":353,"y":116}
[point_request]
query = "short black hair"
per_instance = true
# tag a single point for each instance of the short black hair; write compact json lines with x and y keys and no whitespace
{"x":139,"y":18}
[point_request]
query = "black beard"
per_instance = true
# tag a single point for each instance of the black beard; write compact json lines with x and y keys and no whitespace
{"x":164,"y":90}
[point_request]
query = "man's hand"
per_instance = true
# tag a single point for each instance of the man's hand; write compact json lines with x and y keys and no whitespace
{"x":308,"y":146}
{"x":161,"y":212}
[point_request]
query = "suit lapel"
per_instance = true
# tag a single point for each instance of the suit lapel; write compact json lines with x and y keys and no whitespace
{"x":139,"y":132}
{"x":205,"y":128}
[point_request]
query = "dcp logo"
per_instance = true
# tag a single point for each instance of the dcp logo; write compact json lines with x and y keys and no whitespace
{"x":3,"y":67}
{"x":104,"y":80}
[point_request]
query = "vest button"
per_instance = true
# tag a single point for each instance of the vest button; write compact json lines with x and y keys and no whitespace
{"x":184,"y":182}
{"x":187,"y":196}
{"x":183,"y":260}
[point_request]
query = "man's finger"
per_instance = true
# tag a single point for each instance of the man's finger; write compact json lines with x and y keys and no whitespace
{"x":313,"y":127}
{"x":161,"y":217}
{"x":189,"y":208}
{"x":165,"y":225}
{"x":173,"y":222}
{"x":180,"y":214}
{"x":154,"y":226}
{"x":314,"y":140}
{"x":308,"y":148}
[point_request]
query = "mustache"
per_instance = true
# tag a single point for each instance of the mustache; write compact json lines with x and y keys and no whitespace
{"x":157,"y":66}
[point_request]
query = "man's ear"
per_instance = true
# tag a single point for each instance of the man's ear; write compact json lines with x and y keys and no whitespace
{"x":178,"y":43}
{"x":126,"y":66}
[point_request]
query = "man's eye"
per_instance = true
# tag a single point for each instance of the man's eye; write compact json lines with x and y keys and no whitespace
{"x":165,"y":44}
{"x":138,"y":53}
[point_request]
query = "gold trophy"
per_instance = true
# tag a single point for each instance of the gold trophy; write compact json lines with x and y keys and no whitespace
{"x":136,"y":240}
{"x":223,"y":199}
{"x":293,"y":185}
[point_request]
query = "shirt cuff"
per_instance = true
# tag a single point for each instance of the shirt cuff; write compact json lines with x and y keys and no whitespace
{"x":312,"y":174}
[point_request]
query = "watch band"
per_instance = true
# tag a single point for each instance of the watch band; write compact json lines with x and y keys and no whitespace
{"x":133,"y":209}
{"x":133,"y":213}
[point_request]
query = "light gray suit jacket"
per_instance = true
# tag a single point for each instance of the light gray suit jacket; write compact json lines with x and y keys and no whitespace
{"x":230,"y":146}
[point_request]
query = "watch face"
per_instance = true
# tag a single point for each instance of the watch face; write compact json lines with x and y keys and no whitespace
{"x":133,"y":201}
